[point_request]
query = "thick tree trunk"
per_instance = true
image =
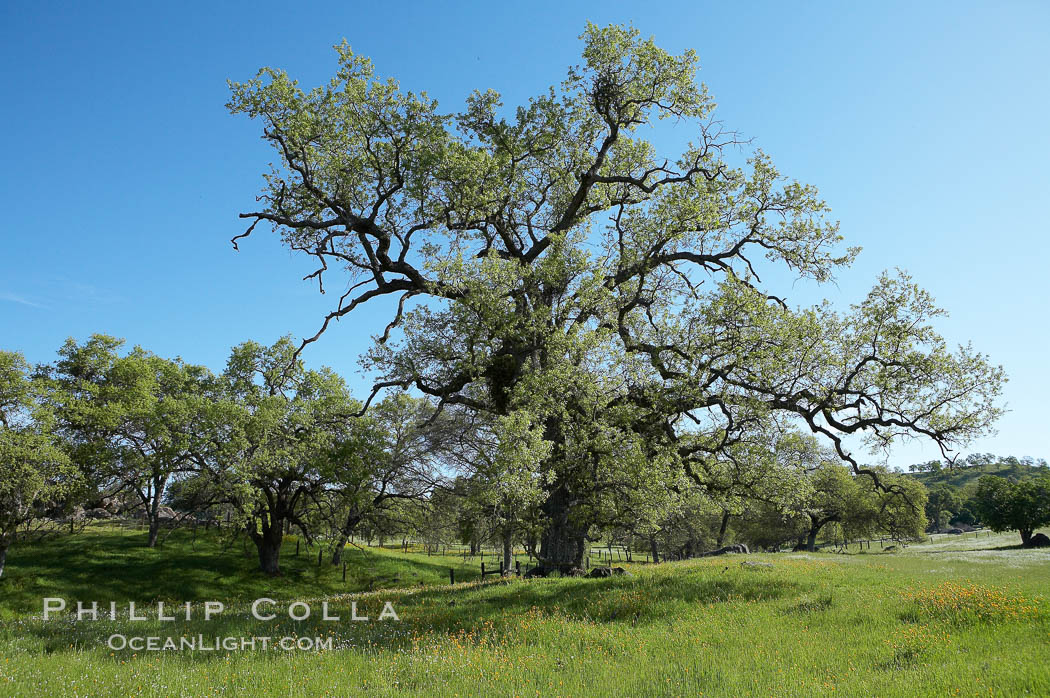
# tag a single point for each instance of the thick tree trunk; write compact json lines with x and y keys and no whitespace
{"x":268,"y":544}
{"x":3,"y":558}
{"x":269,"y":557}
{"x":1026,"y":536}
{"x":564,"y":539}
{"x":654,"y":549}
{"x":508,"y":552}
{"x":475,"y":546}
{"x":722,"y":530}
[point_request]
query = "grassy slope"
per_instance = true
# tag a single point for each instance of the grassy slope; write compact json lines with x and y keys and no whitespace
{"x":107,"y":563}
{"x":960,"y":477}
{"x":809,"y":625}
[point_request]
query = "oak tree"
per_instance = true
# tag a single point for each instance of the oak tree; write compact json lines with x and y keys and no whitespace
{"x":548,"y":263}
{"x":36,"y":474}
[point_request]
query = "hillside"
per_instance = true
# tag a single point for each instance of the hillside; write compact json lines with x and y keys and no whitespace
{"x":960,"y":477}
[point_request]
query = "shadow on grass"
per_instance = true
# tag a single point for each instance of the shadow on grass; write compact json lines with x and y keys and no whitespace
{"x":493,"y":612}
{"x":973,"y":550}
{"x":109,"y":565}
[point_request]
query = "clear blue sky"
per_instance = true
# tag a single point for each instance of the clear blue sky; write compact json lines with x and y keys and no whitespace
{"x":923,"y":124}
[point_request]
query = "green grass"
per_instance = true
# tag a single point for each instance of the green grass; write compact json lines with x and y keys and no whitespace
{"x":106,"y":562}
{"x":960,"y":616}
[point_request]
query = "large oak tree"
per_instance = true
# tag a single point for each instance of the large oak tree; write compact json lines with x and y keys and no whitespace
{"x":548,"y":263}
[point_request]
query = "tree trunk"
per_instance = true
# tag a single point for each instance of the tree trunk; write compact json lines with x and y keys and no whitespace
{"x":152,"y":507}
{"x":563,"y":541}
{"x":268,"y":544}
{"x":474,"y":546}
{"x":3,"y":558}
{"x":346,"y":533}
{"x":154,"y":531}
{"x":269,"y":557}
{"x":337,"y":552}
{"x":811,"y":540}
{"x":722,"y":530}
{"x":508,"y":552}
{"x":1026,"y":536}
{"x":654,"y":549}
{"x":689,"y":549}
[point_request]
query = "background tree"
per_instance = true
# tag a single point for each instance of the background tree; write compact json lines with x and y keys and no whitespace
{"x":136,"y":417}
{"x":283,"y":423}
{"x":392,"y":455}
{"x":900,"y":508}
{"x":36,"y":474}
{"x":1020,"y":506}
{"x":548,"y":261}
{"x":499,"y":460}
{"x":942,"y":504}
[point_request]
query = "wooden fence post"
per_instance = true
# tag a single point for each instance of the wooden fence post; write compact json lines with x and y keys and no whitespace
{"x":451,"y":575}
{"x":344,"y":570}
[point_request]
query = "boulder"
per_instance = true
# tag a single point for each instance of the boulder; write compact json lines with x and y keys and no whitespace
{"x":98,"y":513}
{"x":955,"y":531}
{"x":738,"y":548}
{"x":602,"y":572}
{"x":112,"y":504}
{"x":166,"y":513}
{"x":1039,"y":540}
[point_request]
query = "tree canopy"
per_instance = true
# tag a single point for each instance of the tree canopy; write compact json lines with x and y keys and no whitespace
{"x":35,"y":471}
{"x":1021,"y":506}
{"x":137,"y":419}
{"x":550,"y":265}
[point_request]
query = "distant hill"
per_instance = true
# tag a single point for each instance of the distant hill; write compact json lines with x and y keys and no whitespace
{"x":961,"y":476}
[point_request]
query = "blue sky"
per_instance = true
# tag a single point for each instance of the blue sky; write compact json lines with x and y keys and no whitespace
{"x":923,"y":124}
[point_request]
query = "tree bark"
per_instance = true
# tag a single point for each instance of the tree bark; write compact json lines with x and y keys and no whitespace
{"x":269,"y":557}
{"x":268,"y":544}
{"x":654,"y":549}
{"x":563,"y":541}
{"x":152,"y":507}
{"x":508,"y":552}
{"x":722,"y":530}
{"x":345,"y":534}
{"x":3,"y":558}
{"x":811,"y":540}
{"x":1026,"y":536}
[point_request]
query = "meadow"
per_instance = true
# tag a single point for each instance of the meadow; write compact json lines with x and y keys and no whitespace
{"x":957,"y":616}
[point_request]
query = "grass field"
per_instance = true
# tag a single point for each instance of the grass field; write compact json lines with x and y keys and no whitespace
{"x":960,"y":616}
